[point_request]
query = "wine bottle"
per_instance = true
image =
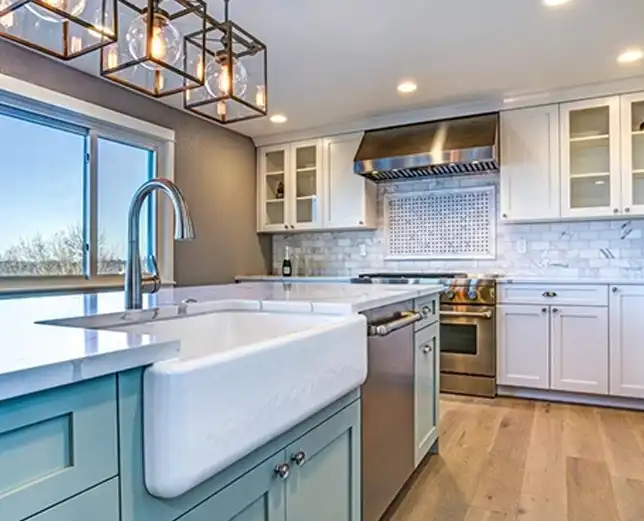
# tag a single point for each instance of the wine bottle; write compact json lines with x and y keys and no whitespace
{"x":287,"y":266}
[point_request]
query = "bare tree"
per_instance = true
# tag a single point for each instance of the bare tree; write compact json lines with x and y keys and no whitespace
{"x":60,"y":254}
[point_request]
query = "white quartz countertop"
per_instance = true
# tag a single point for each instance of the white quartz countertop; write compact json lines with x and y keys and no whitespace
{"x":279,"y":278}
{"x":37,"y":356}
{"x":567,"y":280}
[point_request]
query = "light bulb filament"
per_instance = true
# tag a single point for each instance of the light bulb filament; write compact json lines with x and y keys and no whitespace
{"x":224,"y":80}
{"x":157,"y":45}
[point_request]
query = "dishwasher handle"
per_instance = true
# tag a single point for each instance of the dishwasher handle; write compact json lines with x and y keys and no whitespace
{"x":399,"y":320}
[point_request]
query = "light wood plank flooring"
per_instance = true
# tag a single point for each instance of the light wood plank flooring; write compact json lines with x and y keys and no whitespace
{"x":516,"y":460}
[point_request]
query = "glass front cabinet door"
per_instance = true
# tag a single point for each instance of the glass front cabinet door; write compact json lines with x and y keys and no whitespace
{"x":274,"y":189}
{"x":590,"y":158}
{"x":305,"y":170}
{"x":633,"y":154}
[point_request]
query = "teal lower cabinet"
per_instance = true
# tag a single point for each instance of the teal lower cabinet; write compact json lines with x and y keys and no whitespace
{"x":316,"y":478}
{"x":257,"y":496}
{"x":426,"y":389}
{"x":55,"y":444}
{"x":324,"y":482}
{"x":100,"y":503}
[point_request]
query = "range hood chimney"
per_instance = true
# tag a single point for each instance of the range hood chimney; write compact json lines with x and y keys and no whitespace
{"x":466,"y":145}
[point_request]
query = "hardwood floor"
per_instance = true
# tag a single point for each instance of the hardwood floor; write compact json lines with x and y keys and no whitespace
{"x":515,"y":460}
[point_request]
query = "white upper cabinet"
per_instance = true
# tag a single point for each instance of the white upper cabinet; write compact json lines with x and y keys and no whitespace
{"x":310,"y":185}
{"x":306,"y":180}
{"x":579,"y":349}
{"x":633,"y":154}
{"x":350,"y":199}
{"x":274,"y":190}
{"x":530,"y":164}
{"x":627,"y":341}
{"x":590,"y":158}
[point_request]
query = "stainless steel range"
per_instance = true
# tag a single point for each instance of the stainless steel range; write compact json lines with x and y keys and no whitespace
{"x":468,"y":327}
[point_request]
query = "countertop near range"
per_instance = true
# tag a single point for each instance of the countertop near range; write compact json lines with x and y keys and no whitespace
{"x":39,"y":356}
{"x":568,"y":280}
{"x":279,"y":278}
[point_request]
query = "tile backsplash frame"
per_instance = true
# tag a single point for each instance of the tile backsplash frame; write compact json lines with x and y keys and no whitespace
{"x":584,"y":249}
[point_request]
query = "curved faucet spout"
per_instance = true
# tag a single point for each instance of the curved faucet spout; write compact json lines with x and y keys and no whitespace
{"x":183,"y":230}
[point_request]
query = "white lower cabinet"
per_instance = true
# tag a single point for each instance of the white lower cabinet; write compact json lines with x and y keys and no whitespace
{"x":579,"y":349}
{"x":563,"y":348}
{"x":523,"y":346}
{"x":627,"y":341}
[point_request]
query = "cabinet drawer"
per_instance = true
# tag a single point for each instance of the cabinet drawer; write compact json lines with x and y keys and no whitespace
{"x":430,"y":310}
{"x":98,"y":504}
{"x":559,"y":294}
{"x":55,"y":444}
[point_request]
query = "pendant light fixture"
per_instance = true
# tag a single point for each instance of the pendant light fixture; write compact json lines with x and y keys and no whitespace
{"x":151,"y":54}
{"x":64,"y":29}
{"x":235,"y":86}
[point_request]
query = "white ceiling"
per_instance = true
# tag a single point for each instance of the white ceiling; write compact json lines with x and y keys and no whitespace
{"x":334,"y":61}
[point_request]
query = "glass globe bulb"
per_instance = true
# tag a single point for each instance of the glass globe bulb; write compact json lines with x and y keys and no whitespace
{"x":166,"y":44}
{"x":218,"y":78}
{"x":73,"y":7}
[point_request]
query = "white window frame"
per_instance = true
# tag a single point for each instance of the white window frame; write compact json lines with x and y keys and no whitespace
{"x":102,"y":122}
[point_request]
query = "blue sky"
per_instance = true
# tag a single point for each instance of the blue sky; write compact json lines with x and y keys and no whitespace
{"x":42,"y":182}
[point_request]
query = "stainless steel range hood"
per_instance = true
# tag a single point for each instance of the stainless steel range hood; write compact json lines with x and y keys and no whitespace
{"x":451,"y":147}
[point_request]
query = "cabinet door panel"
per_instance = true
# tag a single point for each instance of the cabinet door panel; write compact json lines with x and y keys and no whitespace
{"x":331,"y":463}
{"x":274,"y":189}
{"x":633,"y":154}
{"x":426,"y":377}
{"x":626,"y":341}
{"x":256,"y":496}
{"x":306,"y":185}
{"x":590,"y":158}
{"x":579,"y":349}
{"x":346,"y":193}
{"x":523,"y":343}
{"x":530,"y":164}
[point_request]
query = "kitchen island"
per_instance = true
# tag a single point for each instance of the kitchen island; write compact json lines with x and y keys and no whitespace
{"x":77,"y":402}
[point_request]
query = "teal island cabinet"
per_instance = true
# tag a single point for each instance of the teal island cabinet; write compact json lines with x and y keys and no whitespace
{"x":75,"y":453}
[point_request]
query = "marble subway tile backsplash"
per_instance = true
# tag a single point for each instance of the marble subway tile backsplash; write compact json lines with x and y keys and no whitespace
{"x":611,"y":248}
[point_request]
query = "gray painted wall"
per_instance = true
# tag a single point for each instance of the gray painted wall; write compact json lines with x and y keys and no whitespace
{"x":215,"y":170}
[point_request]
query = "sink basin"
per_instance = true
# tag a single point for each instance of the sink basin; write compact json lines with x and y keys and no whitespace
{"x":242,"y":378}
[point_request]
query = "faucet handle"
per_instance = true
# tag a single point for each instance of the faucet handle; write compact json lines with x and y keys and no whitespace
{"x":154,"y":276}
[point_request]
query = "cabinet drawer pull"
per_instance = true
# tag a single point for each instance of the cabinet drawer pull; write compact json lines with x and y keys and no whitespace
{"x":283,"y":470}
{"x":426,"y":311}
{"x":298,"y":458}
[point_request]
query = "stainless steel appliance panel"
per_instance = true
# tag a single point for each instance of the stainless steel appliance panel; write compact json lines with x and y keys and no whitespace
{"x":388,"y":410}
{"x":468,"y":340}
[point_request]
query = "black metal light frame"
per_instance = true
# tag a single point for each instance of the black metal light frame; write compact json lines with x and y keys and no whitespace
{"x":228,"y":33}
{"x":197,"y":7}
{"x":106,"y":38}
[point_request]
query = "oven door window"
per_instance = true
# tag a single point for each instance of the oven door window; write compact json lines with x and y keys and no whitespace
{"x":459,"y":339}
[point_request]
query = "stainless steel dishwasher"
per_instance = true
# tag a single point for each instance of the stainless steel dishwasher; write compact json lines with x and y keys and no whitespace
{"x":388,"y":407}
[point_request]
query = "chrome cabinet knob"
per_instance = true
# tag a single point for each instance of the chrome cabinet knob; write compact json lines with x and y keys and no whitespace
{"x":544,"y":310}
{"x":360,"y":223}
{"x":427,"y":349}
{"x":283,"y":470}
{"x":298,"y":458}
{"x":426,"y":311}
{"x":286,"y":226}
{"x":505,"y":215}
{"x":627,"y":210}
{"x":555,"y":310}
{"x":292,"y":227}
{"x":615,"y":210}
{"x":614,"y":290}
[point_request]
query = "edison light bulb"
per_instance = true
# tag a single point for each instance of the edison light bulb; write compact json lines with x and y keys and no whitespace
{"x":112,"y":57}
{"x":72,"y":7}
{"x":165,"y":45}
{"x":199,"y":74}
{"x":260,"y":97}
{"x":218,"y":78}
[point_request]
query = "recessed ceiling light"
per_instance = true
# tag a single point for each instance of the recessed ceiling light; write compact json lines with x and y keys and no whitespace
{"x":630,"y":56}
{"x":600,"y":182}
{"x":278,"y":118}
{"x":407,"y":87}
{"x":555,"y":3}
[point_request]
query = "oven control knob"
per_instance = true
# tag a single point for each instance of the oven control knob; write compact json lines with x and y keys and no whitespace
{"x":471,"y":294}
{"x":449,"y":294}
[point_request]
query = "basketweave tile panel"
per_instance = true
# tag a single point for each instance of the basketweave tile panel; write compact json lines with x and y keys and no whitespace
{"x":612,"y":248}
{"x":440,"y":224}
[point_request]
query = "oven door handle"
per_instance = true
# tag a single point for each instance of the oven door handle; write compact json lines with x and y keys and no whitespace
{"x":400,"y":320}
{"x":468,"y":314}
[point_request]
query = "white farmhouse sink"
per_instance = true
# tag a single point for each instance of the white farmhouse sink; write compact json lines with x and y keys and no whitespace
{"x":242,"y":379}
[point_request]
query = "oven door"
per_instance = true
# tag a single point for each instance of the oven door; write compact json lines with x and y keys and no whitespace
{"x":468,"y":340}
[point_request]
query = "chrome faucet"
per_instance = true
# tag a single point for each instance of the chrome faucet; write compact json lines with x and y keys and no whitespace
{"x":183,"y":230}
